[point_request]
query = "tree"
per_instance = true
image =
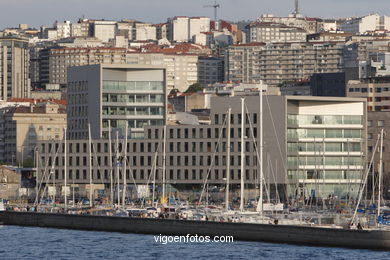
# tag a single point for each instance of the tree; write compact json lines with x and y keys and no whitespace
{"x":28,"y":163}
{"x":194,"y":88}
{"x":174,"y":92}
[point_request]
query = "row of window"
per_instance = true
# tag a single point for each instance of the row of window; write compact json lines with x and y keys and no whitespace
{"x":172,"y":147}
{"x":133,"y":85}
{"x":365,"y":90}
{"x":320,"y":175}
{"x":323,"y":160}
{"x":138,"y":98}
{"x":379,"y":123}
{"x":324,"y":133}
{"x":138,"y":123}
{"x":133,"y":111}
{"x":322,"y":119}
{"x":219,"y":119}
{"x":178,"y":133}
{"x":177,"y":174}
{"x":134,"y":161}
{"x":327,"y":147}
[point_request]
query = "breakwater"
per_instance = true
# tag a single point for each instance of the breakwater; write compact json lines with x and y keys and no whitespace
{"x":301,"y":235}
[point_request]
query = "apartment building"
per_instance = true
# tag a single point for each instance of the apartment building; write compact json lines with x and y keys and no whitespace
{"x":318,"y":144}
{"x":24,"y":126}
{"x":375,"y":90}
{"x":145,"y":32}
{"x":116,"y":96}
{"x":210,"y":70}
{"x":181,"y":69}
{"x":276,"y":63}
{"x":63,"y":29}
{"x":183,"y":28}
{"x":81,"y":28}
{"x":368,"y":23}
{"x":103,"y":30}
{"x":366,"y":58}
{"x":51,"y":64}
{"x":377,"y":93}
{"x":275,"y":32}
{"x":310,"y":25}
{"x":14,"y":68}
{"x":54,"y":62}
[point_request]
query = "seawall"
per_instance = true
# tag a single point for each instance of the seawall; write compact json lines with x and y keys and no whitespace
{"x":364,"y":239}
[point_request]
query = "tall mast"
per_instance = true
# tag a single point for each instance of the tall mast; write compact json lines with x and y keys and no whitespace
{"x":90,"y":164}
{"x":164,"y":161}
{"x":242,"y":153}
{"x":228,"y":159}
{"x":154,"y":174}
{"x":260,"y":202}
{"x":37,"y":175}
{"x":117,"y":168}
{"x":380,"y":175}
{"x":124,"y":169}
{"x":110,"y":161}
{"x":65,"y":171}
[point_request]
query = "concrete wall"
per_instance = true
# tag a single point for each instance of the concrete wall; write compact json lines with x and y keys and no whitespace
{"x":301,"y":235}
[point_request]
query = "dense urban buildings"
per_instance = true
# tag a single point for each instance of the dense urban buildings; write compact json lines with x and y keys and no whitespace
{"x":319,"y":147}
{"x":276,"y":63}
{"x":144,"y":76}
{"x":369,"y":23}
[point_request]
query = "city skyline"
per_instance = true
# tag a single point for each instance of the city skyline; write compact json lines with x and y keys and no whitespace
{"x":44,"y":12}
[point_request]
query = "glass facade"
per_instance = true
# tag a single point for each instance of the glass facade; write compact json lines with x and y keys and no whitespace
{"x":324,"y":154}
{"x":323,"y":120}
{"x":132,"y":103}
{"x":133,"y":85}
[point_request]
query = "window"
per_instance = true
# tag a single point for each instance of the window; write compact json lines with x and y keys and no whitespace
{"x":369,"y":123}
{"x":369,"y":136}
{"x":381,"y":123}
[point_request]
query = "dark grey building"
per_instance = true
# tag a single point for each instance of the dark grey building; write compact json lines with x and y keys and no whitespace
{"x":328,"y":84}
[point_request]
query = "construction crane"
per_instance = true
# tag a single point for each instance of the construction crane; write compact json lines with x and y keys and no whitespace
{"x":215,"y":6}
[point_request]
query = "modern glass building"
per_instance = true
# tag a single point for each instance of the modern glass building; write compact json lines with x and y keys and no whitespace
{"x":107,"y":95}
{"x":312,"y":146}
{"x":325,"y":148}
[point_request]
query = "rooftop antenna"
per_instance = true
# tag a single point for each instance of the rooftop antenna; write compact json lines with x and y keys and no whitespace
{"x":215,"y":6}
{"x":296,"y":11}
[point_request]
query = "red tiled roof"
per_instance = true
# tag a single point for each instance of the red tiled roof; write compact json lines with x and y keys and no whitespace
{"x":36,"y":110}
{"x":32,"y":101}
{"x":250,"y":44}
{"x":180,"y":48}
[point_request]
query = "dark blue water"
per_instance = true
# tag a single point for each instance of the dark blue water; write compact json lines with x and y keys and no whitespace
{"x":46,"y":243}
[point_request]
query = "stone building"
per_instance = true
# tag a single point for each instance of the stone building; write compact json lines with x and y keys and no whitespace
{"x":24,"y":126}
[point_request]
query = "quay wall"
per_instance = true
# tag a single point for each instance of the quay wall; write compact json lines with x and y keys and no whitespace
{"x":301,"y":235}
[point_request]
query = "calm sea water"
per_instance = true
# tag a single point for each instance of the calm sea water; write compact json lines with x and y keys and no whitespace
{"x":47,"y":243}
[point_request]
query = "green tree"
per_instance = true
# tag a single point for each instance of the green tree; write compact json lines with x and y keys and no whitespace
{"x":174,"y":91}
{"x":194,"y":88}
{"x":28,"y":163}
